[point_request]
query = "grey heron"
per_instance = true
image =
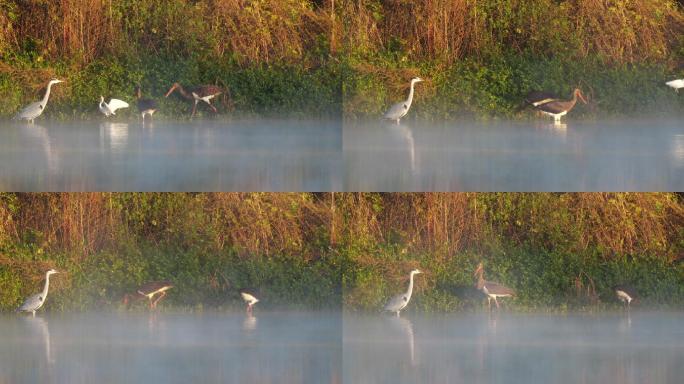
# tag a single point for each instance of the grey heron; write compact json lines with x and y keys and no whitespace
{"x":109,"y":109}
{"x":491,"y":289}
{"x":676,"y":84}
{"x":33,"y":303}
{"x":199,"y":93}
{"x":552,"y":106}
{"x":399,"y":110}
{"x":400,"y":301}
{"x":149,"y":291}
{"x":250,"y":297}
{"x":35,"y":109}
{"x":145,"y":106}
{"x":625,"y":294}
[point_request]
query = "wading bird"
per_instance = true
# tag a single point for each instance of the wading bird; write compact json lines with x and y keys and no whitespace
{"x":676,"y":84}
{"x":200,"y":93}
{"x":145,"y":106}
{"x":552,"y":106}
{"x":491,"y":289}
{"x":108,"y":109}
{"x":625,"y":294}
{"x":149,"y":291}
{"x":399,"y":110}
{"x":33,"y":110}
{"x":250,"y":297}
{"x":400,"y":301}
{"x":33,"y":303}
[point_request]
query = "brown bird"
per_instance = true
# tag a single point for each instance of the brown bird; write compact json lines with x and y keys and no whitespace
{"x":149,"y":291}
{"x":202,"y":92}
{"x":552,"y":106}
{"x":491,"y":289}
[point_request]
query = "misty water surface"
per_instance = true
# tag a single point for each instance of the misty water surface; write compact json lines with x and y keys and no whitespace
{"x":507,"y":348}
{"x":274,"y":347}
{"x":630,"y":155}
{"x":239,"y":155}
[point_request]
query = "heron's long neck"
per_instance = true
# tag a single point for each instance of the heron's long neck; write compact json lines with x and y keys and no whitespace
{"x":184,"y":92}
{"x":47,"y":94}
{"x":47,"y":283}
{"x":408,"y":103}
{"x":574,"y":99}
{"x":410,"y":288}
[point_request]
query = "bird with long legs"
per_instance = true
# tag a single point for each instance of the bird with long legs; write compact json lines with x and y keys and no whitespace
{"x":145,"y":106}
{"x":109,"y":109}
{"x":625,"y":294}
{"x":196,"y":94}
{"x":34,"y":302}
{"x":675,"y":84}
{"x":397,"y":303}
{"x":548,"y":104}
{"x":35,"y":109}
{"x":492,"y":289}
{"x":250,"y":298}
{"x":399,"y":110}
{"x":149,"y":291}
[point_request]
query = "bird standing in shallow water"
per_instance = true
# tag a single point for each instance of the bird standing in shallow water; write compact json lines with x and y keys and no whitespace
{"x":200,"y":93}
{"x":400,"y":301}
{"x":399,"y":110}
{"x":491,"y":289}
{"x":676,"y":84}
{"x":552,"y":106}
{"x":110,"y":108}
{"x":250,"y":297}
{"x":145,"y":106}
{"x":35,"y":109}
{"x":149,"y":291}
{"x":625,"y":294}
{"x":33,"y":303}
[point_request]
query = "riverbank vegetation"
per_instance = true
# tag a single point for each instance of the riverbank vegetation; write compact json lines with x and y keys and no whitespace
{"x":558,"y":251}
{"x":305,"y":250}
{"x":328,"y":57}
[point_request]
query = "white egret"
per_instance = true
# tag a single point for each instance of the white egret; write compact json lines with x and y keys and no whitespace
{"x":491,"y":289}
{"x":33,"y":110}
{"x":399,"y":110}
{"x":110,"y":108}
{"x":676,"y":84}
{"x":546,"y":103}
{"x":145,"y":106}
{"x":200,"y":93}
{"x":625,"y":294}
{"x":399,"y":302}
{"x":33,"y":303}
{"x":250,"y":297}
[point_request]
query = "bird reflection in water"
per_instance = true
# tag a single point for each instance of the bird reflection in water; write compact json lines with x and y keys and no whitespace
{"x":404,"y":131}
{"x":113,"y":136}
{"x":40,"y":134}
{"x":40,"y":327}
{"x":405,"y":327}
{"x":249,"y":324}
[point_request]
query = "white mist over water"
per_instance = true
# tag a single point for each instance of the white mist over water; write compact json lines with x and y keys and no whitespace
{"x":610,"y":155}
{"x":213,"y":155}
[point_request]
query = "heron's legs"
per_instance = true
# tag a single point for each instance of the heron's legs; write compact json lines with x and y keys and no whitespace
{"x":489,"y":302}
{"x":161,"y":296}
{"x":497,"y":302}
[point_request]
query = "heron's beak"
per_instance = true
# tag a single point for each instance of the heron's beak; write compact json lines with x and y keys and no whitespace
{"x":173,"y":88}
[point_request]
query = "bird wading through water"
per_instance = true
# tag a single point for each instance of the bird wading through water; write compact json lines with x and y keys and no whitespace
{"x":625,"y":294}
{"x":109,"y":109}
{"x":676,"y":84}
{"x":33,"y":110}
{"x":250,"y":297}
{"x":552,"y":106}
{"x":145,"y":106}
{"x":196,"y":94}
{"x":492,"y":289}
{"x":400,"y":301}
{"x":33,"y":303}
{"x":149,"y":291}
{"x":399,"y":110}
